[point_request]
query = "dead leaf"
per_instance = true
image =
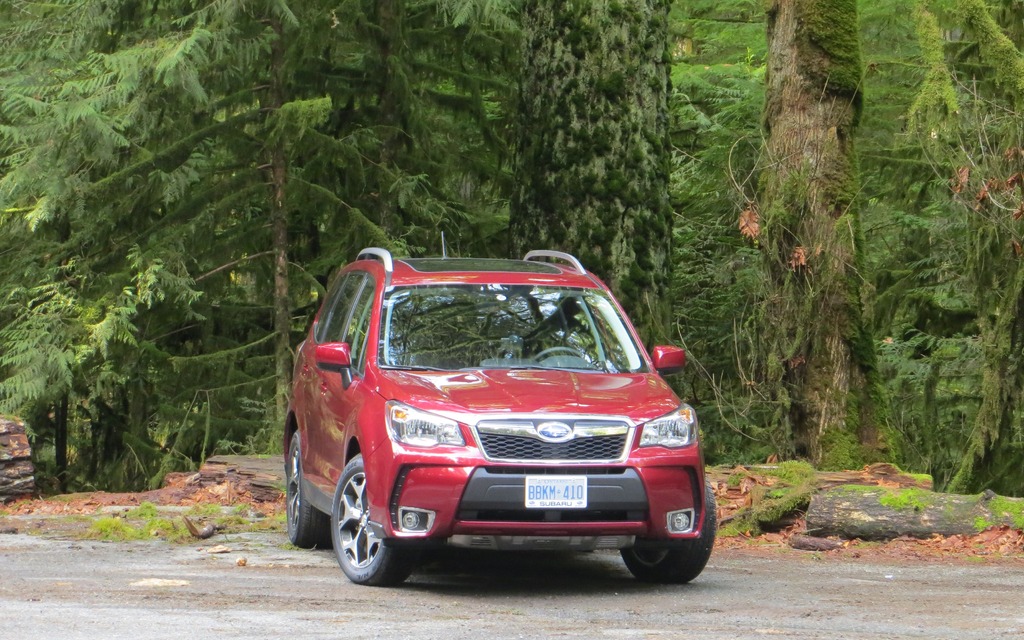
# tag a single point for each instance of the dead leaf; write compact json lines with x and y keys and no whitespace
{"x":963,"y":174}
{"x":750,"y":226}
{"x":1019,"y":213}
{"x":1014,"y":180}
{"x":219,"y":549}
{"x":798,"y":258}
{"x":1017,"y":250}
{"x":982,"y":196}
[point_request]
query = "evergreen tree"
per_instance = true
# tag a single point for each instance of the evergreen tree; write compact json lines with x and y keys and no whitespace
{"x":165,"y":166}
{"x":592,"y":146}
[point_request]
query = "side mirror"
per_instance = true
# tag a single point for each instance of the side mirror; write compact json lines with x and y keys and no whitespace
{"x":668,"y":359}
{"x":334,"y":356}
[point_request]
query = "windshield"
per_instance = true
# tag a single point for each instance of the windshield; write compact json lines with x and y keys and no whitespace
{"x":453,"y":327}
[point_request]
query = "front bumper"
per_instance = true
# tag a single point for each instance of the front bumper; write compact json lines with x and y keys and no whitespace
{"x":478,"y":504}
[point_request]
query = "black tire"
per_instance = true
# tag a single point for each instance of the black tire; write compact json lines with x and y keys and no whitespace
{"x":681,"y":563}
{"x":308,"y":527}
{"x":365,"y":558}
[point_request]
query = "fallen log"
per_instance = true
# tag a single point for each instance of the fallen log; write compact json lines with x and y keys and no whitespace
{"x":879,"y":474}
{"x":261,"y":478}
{"x":811,"y":543}
{"x":878,"y":513}
{"x":17,"y":474}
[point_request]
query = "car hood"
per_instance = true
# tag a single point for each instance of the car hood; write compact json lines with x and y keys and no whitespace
{"x":464,"y":395}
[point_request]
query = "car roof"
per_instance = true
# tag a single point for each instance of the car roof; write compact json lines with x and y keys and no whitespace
{"x":568,"y":272}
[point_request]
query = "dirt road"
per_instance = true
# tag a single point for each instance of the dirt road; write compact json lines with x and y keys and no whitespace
{"x":83,"y":590}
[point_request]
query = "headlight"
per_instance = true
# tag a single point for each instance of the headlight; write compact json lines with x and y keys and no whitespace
{"x":677,"y":429}
{"x":420,"y":429}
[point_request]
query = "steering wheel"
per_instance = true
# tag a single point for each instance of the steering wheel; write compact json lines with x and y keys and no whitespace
{"x":554,"y":351}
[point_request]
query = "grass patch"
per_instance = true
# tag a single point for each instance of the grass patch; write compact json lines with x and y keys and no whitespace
{"x":144,"y":511}
{"x":204,"y":510}
{"x":121,"y":529}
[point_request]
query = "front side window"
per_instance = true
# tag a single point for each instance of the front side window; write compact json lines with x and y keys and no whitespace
{"x":359,"y":326}
{"x":453,"y":327}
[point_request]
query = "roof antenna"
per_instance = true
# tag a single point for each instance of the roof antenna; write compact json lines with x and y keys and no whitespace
{"x":444,"y":249}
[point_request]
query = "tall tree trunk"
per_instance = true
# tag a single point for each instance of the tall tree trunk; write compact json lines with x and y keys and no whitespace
{"x":391,"y":105}
{"x":817,"y":357}
{"x":279,"y":234}
{"x":60,"y":441}
{"x":593,"y":156}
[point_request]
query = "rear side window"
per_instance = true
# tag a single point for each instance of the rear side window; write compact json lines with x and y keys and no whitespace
{"x":337,"y":309}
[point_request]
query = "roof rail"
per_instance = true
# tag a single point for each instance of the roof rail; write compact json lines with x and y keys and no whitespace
{"x":376,"y":253}
{"x":557,"y":255}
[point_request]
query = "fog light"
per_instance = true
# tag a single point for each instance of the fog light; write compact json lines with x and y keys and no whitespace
{"x":680,"y":521}
{"x":413,"y":520}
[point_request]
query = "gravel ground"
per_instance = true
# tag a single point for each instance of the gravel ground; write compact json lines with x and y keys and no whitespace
{"x":58,"y":588}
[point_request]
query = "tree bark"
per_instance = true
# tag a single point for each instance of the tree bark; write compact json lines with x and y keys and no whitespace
{"x":816,"y":359}
{"x":592,"y":156}
{"x":17,"y":477}
{"x":279,"y":231}
{"x":883,"y":514}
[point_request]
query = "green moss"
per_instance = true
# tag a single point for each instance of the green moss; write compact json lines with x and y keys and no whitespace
{"x":794,"y":472}
{"x":841,"y":450}
{"x":831,"y":26}
{"x":906,"y":499}
{"x":856,"y":489}
{"x":1012,"y":510}
{"x":769,"y":505}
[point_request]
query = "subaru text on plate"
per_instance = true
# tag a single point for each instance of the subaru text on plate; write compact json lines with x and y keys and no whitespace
{"x":489,"y":404}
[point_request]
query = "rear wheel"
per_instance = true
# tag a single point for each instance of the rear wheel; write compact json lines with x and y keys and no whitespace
{"x":681,"y":563}
{"x":365,"y":558}
{"x":308,"y":527}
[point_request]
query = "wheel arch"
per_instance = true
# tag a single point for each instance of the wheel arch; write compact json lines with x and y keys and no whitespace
{"x":291,"y":426}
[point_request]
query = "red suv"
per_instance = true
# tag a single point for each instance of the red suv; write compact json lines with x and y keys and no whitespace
{"x":489,"y":404}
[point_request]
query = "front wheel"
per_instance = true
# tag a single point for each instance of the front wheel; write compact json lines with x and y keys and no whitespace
{"x":365,"y":558}
{"x":681,"y":563}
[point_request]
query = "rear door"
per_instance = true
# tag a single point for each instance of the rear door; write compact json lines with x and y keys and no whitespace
{"x":340,"y":394}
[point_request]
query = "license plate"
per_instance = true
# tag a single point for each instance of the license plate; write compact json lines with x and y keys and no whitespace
{"x":556,"y":492}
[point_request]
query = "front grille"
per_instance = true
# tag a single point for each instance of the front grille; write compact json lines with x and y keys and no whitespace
{"x":505,"y":447}
{"x":580,"y":439}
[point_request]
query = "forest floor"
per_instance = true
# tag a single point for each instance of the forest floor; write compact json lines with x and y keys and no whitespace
{"x":227,"y":503}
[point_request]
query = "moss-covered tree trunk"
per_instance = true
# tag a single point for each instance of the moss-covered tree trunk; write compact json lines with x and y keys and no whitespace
{"x":593,"y":157}
{"x":816,"y":356}
{"x":988,"y":176}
